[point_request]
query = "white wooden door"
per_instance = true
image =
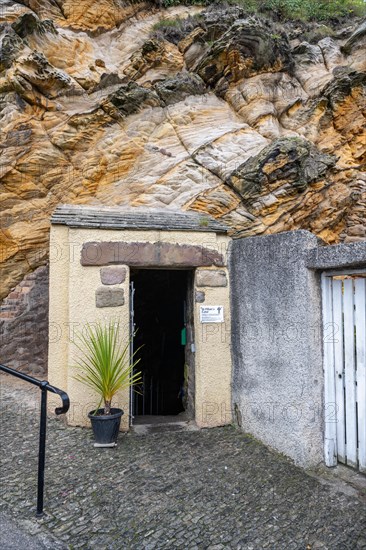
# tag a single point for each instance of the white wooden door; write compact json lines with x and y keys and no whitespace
{"x":344,"y":338}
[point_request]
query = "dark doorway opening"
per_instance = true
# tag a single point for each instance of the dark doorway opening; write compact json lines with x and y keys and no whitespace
{"x":160,"y":317}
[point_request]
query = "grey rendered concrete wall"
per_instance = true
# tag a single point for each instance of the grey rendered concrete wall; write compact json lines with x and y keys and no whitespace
{"x":277,"y":348}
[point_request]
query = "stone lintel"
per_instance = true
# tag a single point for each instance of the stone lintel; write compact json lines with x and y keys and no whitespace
{"x":112,"y":275}
{"x":337,"y":256}
{"x":143,"y":254}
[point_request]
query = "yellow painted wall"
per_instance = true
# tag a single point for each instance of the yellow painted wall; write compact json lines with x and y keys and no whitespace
{"x":213,"y":362}
{"x":72,"y":305}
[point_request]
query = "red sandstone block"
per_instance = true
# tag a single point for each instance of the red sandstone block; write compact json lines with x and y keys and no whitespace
{"x":14,"y":295}
{"x":25,"y":284}
{"x":7,"y":315}
{"x":25,"y":289}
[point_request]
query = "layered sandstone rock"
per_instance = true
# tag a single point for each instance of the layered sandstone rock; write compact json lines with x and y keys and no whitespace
{"x":215,"y":110}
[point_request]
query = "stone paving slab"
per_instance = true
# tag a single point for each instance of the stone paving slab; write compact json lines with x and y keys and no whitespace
{"x":211,"y":489}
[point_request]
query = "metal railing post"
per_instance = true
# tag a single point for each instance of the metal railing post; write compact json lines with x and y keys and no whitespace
{"x":42,"y":449}
{"x":44,"y":387}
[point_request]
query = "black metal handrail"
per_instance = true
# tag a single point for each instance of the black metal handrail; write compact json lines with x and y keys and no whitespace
{"x":44,"y":387}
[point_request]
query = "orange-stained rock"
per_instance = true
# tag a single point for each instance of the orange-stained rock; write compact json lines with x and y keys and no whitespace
{"x":99,"y":104}
{"x":96,"y":16}
{"x":154,"y":59}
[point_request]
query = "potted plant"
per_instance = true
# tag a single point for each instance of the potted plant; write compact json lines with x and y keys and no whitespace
{"x":105,"y":366}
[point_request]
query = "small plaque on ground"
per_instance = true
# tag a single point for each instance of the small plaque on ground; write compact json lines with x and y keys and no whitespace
{"x":212,"y":314}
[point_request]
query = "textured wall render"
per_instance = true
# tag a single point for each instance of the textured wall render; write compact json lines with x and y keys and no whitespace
{"x":277,"y":344}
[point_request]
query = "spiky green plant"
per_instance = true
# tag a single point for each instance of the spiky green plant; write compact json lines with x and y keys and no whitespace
{"x":104,"y":362}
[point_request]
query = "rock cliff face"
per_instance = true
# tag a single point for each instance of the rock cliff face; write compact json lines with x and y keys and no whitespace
{"x":215,"y":110}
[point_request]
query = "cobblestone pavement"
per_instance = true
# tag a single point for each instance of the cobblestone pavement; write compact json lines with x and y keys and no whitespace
{"x":13,"y":537}
{"x":211,"y":489}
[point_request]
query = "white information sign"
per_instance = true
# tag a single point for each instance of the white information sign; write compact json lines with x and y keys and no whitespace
{"x":212,"y":314}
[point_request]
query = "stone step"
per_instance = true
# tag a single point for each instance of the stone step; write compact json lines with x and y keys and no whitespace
{"x":146,"y":429}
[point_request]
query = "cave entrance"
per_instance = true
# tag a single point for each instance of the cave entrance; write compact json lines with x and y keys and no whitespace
{"x":162,"y":316}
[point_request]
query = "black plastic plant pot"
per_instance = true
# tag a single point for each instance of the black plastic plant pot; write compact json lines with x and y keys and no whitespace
{"x":106,"y":426}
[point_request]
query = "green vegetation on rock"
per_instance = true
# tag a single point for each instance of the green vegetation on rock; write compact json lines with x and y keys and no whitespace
{"x":317,"y":10}
{"x":306,"y":10}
